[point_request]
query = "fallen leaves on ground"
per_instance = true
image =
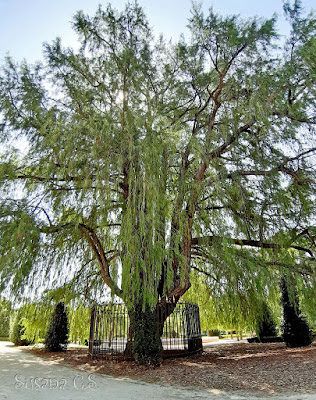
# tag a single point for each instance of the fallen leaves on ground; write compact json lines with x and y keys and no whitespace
{"x":268,"y":368}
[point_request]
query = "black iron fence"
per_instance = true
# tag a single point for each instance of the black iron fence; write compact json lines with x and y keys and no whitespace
{"x":110,"y":330}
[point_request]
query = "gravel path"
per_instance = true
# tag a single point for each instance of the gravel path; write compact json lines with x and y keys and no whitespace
{"x":28,"y":377}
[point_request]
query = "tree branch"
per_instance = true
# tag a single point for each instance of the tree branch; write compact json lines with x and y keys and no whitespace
{"x":208,"y":240}
{"x":281,"y":168}
{"x":224,"y":147}
{"x":97,"y":248}
{"x":293,"y":118}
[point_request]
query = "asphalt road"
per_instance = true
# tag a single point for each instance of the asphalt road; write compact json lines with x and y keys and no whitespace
{"x":25,"y":376}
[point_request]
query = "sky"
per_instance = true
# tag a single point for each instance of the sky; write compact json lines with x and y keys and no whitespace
{"x":26,"y":24}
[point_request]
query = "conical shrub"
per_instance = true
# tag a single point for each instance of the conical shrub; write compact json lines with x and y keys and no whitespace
{"x":58,"y":330}
{"x":17,"y":331}
{"x":267,"y":324}
{"x":295,"y":328}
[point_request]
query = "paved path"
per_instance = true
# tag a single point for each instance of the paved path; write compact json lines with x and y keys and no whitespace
{"x":25,"y":376}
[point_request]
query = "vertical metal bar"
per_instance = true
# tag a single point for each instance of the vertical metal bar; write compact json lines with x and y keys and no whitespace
{"x":91,"y":334}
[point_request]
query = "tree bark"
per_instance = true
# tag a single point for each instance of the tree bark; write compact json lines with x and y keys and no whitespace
{"x":146,"y":342}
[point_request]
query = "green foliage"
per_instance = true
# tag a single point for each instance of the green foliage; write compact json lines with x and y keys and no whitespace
{"x":35,"y":318}
{"x":234,"y":301}
{"x":295,"y":328}
{"x":17,"y":330}
{"x":306,"y":292}
{"x":267,"y":324}
{"x":57,"y":334}
{"x":79,"y":323}
{"x":5,"y":311}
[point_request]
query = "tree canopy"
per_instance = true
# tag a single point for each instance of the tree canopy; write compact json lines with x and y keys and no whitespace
{"x":144,"y":159}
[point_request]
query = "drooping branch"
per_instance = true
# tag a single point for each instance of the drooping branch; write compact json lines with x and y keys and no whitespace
{"x":294,"y":174}
{"x":302,"y":269}
{"x":99,"y":254}
{"x":287,"y":171}
{"x":311,"y":238}
{"x":56,"y":180}
{"x":207,"y":273}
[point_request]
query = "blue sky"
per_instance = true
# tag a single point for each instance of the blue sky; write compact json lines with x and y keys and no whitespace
{"x":26,"y":24}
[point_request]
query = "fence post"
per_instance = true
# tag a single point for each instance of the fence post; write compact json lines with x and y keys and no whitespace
{"x":92,"y":329}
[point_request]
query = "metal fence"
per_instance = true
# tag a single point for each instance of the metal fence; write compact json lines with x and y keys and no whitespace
{"x":110,"y":330}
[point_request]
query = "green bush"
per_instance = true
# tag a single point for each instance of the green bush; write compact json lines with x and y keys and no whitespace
{"x":266,"y":324}
{"x":5,"y":310}
{"x":214,"y":332}
{"x":295,"y":328}
{"x":17,"y":331}
{"x":57,"y":334}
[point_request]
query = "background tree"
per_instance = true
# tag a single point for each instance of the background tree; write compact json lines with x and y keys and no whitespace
{"x":141,"y":158}
{"x":35,"y":317}
{"x":57,"y":334}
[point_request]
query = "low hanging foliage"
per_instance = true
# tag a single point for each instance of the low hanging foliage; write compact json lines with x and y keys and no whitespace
{"x":79,"y":323}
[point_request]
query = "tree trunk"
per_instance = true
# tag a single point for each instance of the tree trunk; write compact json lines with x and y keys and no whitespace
{"x":145,"y":332}
{"x":146,"y":344}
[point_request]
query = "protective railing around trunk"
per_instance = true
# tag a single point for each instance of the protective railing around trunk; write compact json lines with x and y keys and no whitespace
{"x":110,"y":330}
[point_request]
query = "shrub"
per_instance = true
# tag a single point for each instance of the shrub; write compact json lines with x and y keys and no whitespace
{"x":5,"y":310}
{"x":295,"y":328}
{"x":17,"y":331}
{"x":267,"y":324}
{"x":57,"y":334}
{"x":214,"y":332}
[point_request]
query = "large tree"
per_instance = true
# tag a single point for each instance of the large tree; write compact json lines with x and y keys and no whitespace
{"x":141,"y":158}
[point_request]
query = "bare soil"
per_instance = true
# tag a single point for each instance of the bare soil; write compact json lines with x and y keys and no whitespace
{"x":264,"y":368}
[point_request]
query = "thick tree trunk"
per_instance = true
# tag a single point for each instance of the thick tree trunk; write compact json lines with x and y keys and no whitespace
{"x":147,"y":323}
{"x":146,"y":329}
{"x":146,"y":344}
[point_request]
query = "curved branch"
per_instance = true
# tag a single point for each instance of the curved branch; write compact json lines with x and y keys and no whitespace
{"x":97,"y":248}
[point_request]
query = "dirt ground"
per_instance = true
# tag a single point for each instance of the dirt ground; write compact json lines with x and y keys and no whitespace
{"x":267,"y":369}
